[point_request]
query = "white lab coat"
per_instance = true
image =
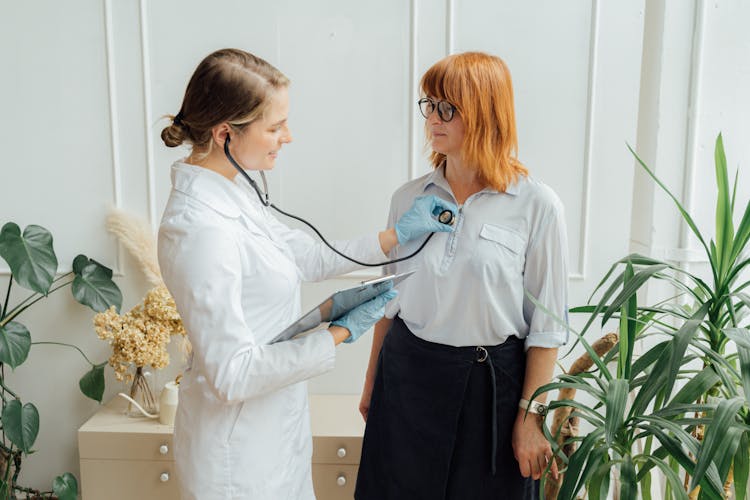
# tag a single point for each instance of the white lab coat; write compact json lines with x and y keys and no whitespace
{"x":242,"y":429}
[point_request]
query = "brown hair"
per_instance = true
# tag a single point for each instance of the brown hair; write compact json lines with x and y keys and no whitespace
{"x":480,"y":87}
{"x":229,"y":85}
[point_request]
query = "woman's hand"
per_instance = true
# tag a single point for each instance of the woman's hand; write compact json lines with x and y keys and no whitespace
{"x":364,"y":401}
{"x":530,"y":447}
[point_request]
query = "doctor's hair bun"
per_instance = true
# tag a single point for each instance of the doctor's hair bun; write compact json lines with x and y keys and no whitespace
{"x":175,"y":134}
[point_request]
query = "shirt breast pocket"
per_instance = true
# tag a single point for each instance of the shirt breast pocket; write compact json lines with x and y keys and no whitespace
{"x":502,"y":248}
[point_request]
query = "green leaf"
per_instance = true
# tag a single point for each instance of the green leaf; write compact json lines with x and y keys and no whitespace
{"x":742,"y":236}
{"x":673,"y":446}
{"x":653,"y":384}
{"x":686,"y":216}
{"x":571,"y":485}
{"x":20,"y":424}
{"x":65,"y":487}
{"x":15,"y":343}
{"x":79,"y":263}
{"x":92,"y":383}
{"x":648,"y":358}
{"x":598,"y":482}
{"x":31,"y":257}
{"x":724,"y":223}
{"x":742,"y":466}
{"x":682,"y":339}
{"x":617,"y":398}
{"x":630,"y":287}
{"x":695,"y":387}
{"x":743,"y":354}
{"x":94,"y":287}
{"x":672,"y":477}
{"x":628,"y":484}
{"x":741,"y":336}
{"x":723,"y":419}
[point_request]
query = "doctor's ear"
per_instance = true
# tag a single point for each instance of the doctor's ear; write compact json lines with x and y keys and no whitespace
{"x":220,"y":133}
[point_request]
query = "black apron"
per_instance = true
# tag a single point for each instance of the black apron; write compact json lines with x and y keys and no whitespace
{"x":440,"y":420}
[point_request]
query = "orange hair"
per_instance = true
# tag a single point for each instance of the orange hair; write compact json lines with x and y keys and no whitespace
{"x":480,"y":87}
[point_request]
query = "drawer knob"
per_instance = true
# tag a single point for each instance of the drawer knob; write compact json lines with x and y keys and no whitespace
{"x":341,"y":452}
{"x":164,"y":449}
{"x":164,"y":477}
{"x":341,"y":480}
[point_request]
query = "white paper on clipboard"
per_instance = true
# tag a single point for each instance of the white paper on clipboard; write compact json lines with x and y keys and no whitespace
{"x":339,"y":303}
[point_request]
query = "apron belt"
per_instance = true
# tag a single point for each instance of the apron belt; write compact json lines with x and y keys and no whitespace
{"x":483,"y":356}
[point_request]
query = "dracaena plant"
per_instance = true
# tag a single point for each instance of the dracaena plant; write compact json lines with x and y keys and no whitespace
{"x":683,"y":405}
{"x":33,"y":265}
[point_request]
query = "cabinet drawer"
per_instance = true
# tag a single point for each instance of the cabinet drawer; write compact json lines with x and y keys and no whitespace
{"x":128,"y":480}
{"x":336,"y":450}
{"x":334,"y":482}
{"x":125,"y":446}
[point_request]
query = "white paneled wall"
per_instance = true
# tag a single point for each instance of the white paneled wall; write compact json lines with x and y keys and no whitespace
{"x":86,"y":82}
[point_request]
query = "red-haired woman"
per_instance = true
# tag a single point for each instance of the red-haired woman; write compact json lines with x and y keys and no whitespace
{"x":462,"y":349}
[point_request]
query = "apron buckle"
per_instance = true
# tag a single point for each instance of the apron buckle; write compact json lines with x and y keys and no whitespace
{"x":481,"y":354}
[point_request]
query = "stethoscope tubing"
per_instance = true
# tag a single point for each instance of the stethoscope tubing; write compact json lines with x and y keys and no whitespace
{"x":267,"y":203}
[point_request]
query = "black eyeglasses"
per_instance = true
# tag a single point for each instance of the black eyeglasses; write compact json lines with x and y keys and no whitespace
{"x":445,"y":109}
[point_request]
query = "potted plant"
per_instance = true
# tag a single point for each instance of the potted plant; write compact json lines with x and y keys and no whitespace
{"x":33,"y":265}
{"x":640,"y":419}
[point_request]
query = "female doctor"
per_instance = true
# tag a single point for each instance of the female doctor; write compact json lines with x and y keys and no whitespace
{"x":242,"y":428}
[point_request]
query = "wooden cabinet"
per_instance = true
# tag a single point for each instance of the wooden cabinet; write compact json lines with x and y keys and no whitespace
{"x":126,"y":458}
{"x":337,"y":429}
{"x":131,"y":458}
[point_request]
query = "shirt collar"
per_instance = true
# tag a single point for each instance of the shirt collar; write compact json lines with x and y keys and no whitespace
{"x":437,"y":177}
{"x":208,"y":187}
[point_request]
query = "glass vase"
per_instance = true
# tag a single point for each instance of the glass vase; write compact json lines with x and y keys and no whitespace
{"x":141,"y":393}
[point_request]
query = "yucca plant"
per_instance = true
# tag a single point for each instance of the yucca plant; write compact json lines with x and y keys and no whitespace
{"x":33,"y":265}
{"x":640,"y":421}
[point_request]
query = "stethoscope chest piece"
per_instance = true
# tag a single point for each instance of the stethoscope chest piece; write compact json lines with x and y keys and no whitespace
{"x":447,"y":217}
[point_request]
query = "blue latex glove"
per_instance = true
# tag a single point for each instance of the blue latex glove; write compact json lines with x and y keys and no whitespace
{"x":361,"y":318}
{"x":344,"y":301}
{"x":421,"y":218}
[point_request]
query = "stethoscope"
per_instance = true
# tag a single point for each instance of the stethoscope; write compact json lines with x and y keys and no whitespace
{"x":445,"y":217}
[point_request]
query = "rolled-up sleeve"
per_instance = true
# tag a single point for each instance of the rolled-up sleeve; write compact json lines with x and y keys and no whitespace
{"x":202,"y":272}
{"x":546,"y":278}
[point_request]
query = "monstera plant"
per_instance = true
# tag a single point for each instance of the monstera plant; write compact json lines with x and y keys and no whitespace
{"x":33,"y":265}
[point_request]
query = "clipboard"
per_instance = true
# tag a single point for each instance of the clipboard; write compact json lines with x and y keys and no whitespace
{"x":340,"y":303}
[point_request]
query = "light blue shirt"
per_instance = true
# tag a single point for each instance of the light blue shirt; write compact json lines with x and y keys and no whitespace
{"x":468,"y":288}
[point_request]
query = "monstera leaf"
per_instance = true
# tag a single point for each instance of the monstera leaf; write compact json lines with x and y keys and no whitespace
{"x":21,"y":424}
{"x":15,"y":343}
{"x":92,"y":383}
{"x":93,"y":285}
{"x":65,"y":487}
{"x":30,"y":256}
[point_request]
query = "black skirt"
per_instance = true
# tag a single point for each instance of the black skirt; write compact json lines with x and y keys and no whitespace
{"x":436,"y":429}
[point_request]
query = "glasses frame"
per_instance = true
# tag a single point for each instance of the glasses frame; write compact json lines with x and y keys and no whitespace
{"x":437,"y":105}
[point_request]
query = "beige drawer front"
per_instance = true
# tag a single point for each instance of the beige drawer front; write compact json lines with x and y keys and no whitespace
{"x":125,"y":446}
{"x":336,"y":450}
{"x":128,"y":480}
{"x":328,"y":479}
